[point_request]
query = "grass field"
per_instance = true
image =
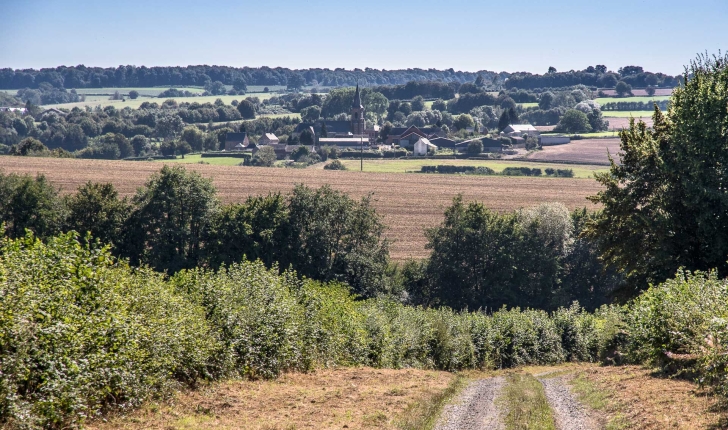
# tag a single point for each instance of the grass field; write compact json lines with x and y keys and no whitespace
{"x":402,"y":166}
{"x":197,"y":158}
{"x":408,"y":203}
{"x":627,"y":114}
{"x":528,"y":105}
{"x":604,"y":100}
{"x":134,"y":104}
{"x":612,"y":133}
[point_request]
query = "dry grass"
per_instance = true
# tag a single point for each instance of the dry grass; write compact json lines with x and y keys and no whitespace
{"x":358,"y":398}
{"x":408,"y":203}
{"x":641,"y":93}
{"x":618,"y":123}
{"x":525,"y":401}
{"x":585,"y":151}
{"x":650,"y":402}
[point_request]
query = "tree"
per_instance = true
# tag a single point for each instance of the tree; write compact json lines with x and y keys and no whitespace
{"x":665,"y":205}
{"x":546,"y":99}
{"x":334,"y":238}
{"x":440,"y":105}
{"x":295,"y":82}
{"x":133,"y":94}
{"x":97,"y":209}
{"x":307,"y":137}
{"x":216,"y":88}
{"x":171,"y":213}
{"x":552,"y":70}
{"x":479,"y":81}
{"x":300,"y":152}
{"x":120,"y":141}
{"x":169,"y":126}
{"x":246,"y":109}
{"x":464,"y":121}
{"x":385,"y":130}
{"x":601,"y":68}
{"x":650,"y":91}
{"x":622,"y":88}
{"x":239,"y":84}
{"x":475,"y":147}
{"x":418,"y":104}
{"x":265,"y":157}
{"x":335,"y":165}
{"x":29,"y":203}
{"x":573,"y":121}
{"x":311,"y":113}
{"x":140,"y":144}
{"x":28,"y":146}
{"x":194,"y":137}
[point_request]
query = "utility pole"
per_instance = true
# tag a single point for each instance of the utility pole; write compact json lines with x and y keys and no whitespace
{"x":361,"y":160}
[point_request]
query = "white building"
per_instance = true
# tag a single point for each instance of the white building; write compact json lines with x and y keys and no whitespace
{"x":520,"y":129}
{"x":422,"y":146}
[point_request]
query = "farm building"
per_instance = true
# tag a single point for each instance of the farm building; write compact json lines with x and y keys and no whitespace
{"x":268,"y":139}
{"x":423,"y":146}
{"x":344,"y":142}
{"x":520,"y":130}
{"x":233,"y":139}
{"x":489,"y":145}
{"x":443,"y":142}
{"x":553,"y":140}
{"x":397,"y":134}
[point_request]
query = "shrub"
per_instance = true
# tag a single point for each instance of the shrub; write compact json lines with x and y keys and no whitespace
{"x":335,"y":165}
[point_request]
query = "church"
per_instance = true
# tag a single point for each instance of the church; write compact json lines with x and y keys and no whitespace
{"x":352,"y":133}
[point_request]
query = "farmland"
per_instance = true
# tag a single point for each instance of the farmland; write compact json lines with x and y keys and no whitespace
{"x":626,"y":114}
{"x":408,"y":203}
{"x":644,"y":99}
{"x":134,"y":104}
{"x":414,"y":165}
{"x":588,"y":151}
{"x":617,"y":123}
{"x":642,"y":93}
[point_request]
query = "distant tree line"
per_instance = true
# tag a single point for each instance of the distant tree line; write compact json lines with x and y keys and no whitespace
{"x":592,"y":77}
{"x":132,"y":76}
{"x":631,"y":106}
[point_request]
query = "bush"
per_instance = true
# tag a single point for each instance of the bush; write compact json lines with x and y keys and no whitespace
{"x":335,"y":165}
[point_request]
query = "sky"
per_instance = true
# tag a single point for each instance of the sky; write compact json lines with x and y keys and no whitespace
{"x":514,"y":35}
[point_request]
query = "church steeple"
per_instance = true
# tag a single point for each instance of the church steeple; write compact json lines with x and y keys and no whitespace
{"x":356,"y":104}
{"x":358,"y":123}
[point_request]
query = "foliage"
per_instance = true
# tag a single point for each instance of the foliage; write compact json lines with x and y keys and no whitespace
{"x":266,"y":157}
{"x":664,"y":206}
{"x":29,"y":203}
{"x":97,"y":210}
{"x":573,"y":121}
{"x":246,"y":109}
{"x":335,"y":165}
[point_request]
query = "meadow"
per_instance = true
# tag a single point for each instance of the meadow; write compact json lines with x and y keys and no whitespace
{"x":408,"y":203}
{"x":414,"y":165}
{"x":603,"y":100}
{"x":134,"y":104}
{"x":626,"y":114}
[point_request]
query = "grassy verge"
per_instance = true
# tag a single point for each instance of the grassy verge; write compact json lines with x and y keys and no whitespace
{"x":525,"y":400}
{"x":600,"y":400}
{"x":423,"y":415}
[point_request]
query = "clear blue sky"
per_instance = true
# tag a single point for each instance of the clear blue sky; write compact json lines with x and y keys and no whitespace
{"x":515,"y":35}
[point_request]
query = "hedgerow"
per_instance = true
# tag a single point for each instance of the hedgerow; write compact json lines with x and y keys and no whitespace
{"x":82,"y":333}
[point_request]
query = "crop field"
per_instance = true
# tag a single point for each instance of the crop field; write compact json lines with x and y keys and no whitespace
{"x":586,"y":151}
{"x":626,"y":114}
{"x":408,"y":203}
{"x":620,"y":123}
{"x":614,"y":132}
{"x":643,"y":99}
{"x":197,"y":158}
{"x":414,"y":165}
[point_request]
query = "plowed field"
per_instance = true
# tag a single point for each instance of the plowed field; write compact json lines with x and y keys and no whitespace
{"x":584,"y":151}
{"x":408,"y":202}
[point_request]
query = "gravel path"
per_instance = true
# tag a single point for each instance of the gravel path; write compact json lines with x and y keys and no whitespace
{"x":475,"y":409}
{"x":570,"y":413}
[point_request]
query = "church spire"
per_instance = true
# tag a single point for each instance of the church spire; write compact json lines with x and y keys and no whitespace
{"x":356,"y":104}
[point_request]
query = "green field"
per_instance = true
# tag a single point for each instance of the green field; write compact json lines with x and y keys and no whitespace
{"x":627,"y":114}
{"x":604,"y":100}
{"x":134,"y":104}
{"x":587,"y":135}
{"x":402,"y":166}
{"x":528,"y":105}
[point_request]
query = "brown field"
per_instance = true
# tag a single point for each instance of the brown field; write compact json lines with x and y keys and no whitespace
{"x":617,"y":123}
{"x":408,"y":202}
{"x":584,"y":151}
{"x":639,"y":93}
{"x":326,"y":399}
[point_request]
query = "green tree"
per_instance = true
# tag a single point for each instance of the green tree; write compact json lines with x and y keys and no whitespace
{"x":573,"y":121}
{"x":265,"y":157}
{"x":311,"y":113}
{"x":385,"y":130}
{"x":170,"y":215}
{"x":256,"y":229}
{"x":545,"y":101}
{"x":194,"y":137}
{"x":133,"y":94}
{"x":97,"y":209}
{"x":246,"y":109}
{"x":296,"y":81}
{"x":336,"y":238}
{"x":650,"y":91}
{"x":418,"y":104}
{"x":300,"y":152}
{"x":622,"y":88}
{"x":30,"y":203}
{"x":239,"y":84}
{"x":464,"y":121}
{"x":307,"y":137}
{"x":440,"y":105}
{"x":140,"y":144}
{"x":29,"y":146}
{"x":665,"y":205}
{"x":475,"y":147}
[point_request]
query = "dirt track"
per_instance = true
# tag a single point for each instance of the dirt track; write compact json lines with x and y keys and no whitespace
{"x":475,"y":409}
{"x":409,"y":203}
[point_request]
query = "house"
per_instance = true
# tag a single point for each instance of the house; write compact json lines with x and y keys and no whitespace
{"x":12,"y":109}
{"x":53,"y":111}
{"x":520,"y":130}
{"x":268,"y":139}
{"x":553,"y":140}
{"x":423,"y":146}
{"x":233,"y":139}
{"x":489,"y":145}
{"x":518,"y":142}
{"x":344,"y":142}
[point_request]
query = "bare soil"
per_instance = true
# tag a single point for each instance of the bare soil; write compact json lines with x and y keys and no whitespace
{"x":640,"y":93}
{"x":408,"y":203}
{"x":584,"y":151}
{"x":360,"y":398}
{"x":618,"y":123}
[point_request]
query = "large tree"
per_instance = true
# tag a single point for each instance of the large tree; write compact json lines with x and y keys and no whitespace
{"x":665,"y":205}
